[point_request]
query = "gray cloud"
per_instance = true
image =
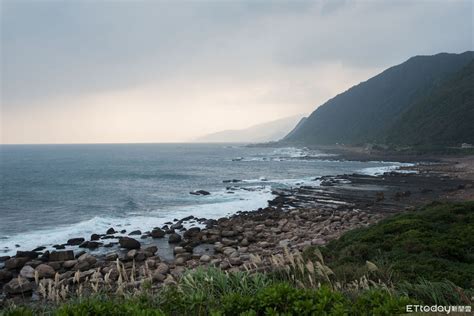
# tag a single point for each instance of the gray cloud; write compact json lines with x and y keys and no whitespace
{"x":69,"y":49}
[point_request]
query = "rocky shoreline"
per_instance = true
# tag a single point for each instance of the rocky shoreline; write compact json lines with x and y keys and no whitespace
{"x":294,"y":219}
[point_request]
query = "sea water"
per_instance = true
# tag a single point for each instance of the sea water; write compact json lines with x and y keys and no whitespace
{"x":49,"y":193}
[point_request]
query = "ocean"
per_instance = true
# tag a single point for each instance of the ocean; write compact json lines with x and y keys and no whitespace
{"x":49,"y":193}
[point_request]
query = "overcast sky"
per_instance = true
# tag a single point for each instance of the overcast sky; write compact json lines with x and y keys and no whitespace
{"x":168,"y":71}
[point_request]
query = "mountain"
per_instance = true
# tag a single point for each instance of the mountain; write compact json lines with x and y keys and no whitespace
{"x":392,"y":105}
{"x":444,"y":117}
{"x":269,"y":131}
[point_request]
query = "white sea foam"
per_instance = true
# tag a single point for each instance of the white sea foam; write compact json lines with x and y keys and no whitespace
{"x":393,"y":167}
{"x":219,"y":204}
{"x":287,"y":154}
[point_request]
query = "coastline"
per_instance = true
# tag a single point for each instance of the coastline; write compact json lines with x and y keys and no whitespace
{"x":295,"y":219}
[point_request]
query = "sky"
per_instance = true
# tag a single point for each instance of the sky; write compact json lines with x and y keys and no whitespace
{"x":95,"y":71}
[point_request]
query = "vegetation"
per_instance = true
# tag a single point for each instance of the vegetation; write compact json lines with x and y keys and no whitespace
{"x":443,"y":117}
{"x":435,"y":243}
{"x":418,"y":102}
{"x":419,"y":257}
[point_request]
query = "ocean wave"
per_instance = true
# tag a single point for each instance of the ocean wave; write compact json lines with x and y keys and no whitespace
{"x":216,"y":205}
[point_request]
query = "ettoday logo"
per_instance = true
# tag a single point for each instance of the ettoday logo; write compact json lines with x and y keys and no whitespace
{"x":438,"y":309}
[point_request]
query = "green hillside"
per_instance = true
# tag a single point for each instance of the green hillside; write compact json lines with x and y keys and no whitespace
{"x":372,"y":110}
{"x":444,"y":117}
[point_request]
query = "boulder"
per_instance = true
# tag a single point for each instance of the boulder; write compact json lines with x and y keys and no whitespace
{"x":205,"y":258}
{"x":27,"y":272}
{"x":61,"y":255}
{"x":95,"y":237}
{"x":27,"y":254}
{"x":157,"y":233}
{"x":193,"y":231}
{"x":111,"y":256}
{"x":45,"y":271}
{"x":174,"y":238}
{"x":228,"y":233}
{"x":151,"y":249}
{"x":178,"y":225}
{"x":75,"y":241}
{"x":69,"y":264}
{"x":129,"y":243}
{"x":5,"y":275}
{"x":18,"y":285}
{"x":135,"y":232}
{"x":162,"y":268}
{"x":200,"y":192}
{"x":87,"y":258}
{"x":111,"y":231}
{"x":16,"y":263}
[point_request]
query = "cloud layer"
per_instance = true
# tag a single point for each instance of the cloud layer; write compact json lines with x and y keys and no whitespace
{"x":126,"y":71}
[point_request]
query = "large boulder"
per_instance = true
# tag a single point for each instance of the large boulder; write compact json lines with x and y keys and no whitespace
{"x":27,"y":272}
{"x":16,"y":263}
{"x":174,"y":238}
{"x":157,"y":233}
{"x":75,"y":241}
{"x":27,"y":254}
{"x":61,"y":255}
{"x":129,"y":243}
{"x":95,"y":237}
{"x":45,"y":271}
{"x":18,"y":285}
{"x":193,"y":231}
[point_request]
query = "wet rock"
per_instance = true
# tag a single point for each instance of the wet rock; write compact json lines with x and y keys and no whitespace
{"x":27,"y":254}
{"x":59,"y":247}
{"x":18,"y":286}
{"x":61,"y":255}
{"x":192,"y":232}
{"x":178,"y":225}
{"x":129,"y":243}
{"x":45,"y":271}
{"x":95,"y":237}
{"x":111,"y":231}
{"x":157,"y":233}
{"x":200,"y":192}
{"x":27,"y":272}
{"x":4,"y":258}
{"x":174,"y":238}
{"x":135,"y":232}
{"x":16,"y":263}
{"x":39,"y":249}
{"x":75,"y":241}
{"x":151,"y":249}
